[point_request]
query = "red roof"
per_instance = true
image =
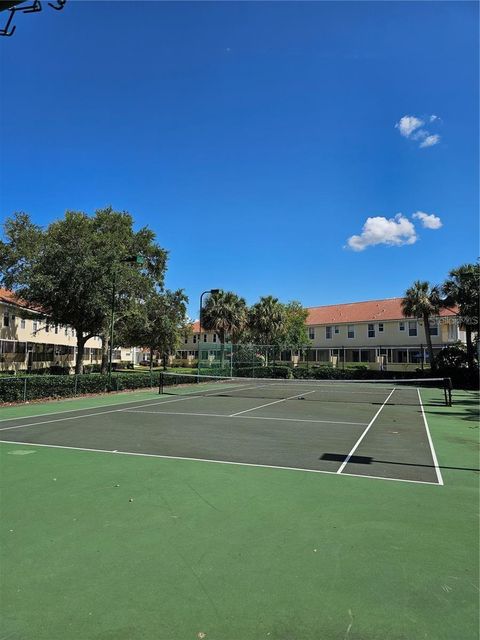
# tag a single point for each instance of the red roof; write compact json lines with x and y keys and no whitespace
{"x":376,"y":310}
{"x":11,"y":298}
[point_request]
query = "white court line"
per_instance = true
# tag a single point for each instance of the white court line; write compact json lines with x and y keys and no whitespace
{"x":233,"y":415}
{"x":240,"y":464}
{"x":54,"y":413}
{"x":223,"y":415}
{"x":355,"y":446}
{"x":430,"y":442}
{"x":89,"y":415}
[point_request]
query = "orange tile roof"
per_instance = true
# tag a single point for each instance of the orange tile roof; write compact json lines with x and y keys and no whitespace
{"x":371,"y":310}
{"x":11,"y":298}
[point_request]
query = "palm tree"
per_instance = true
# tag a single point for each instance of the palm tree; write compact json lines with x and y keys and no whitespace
{"x":225,"y":313}
{"x":266,"y":320}
{"x":422,"y":301}
{"x":462,"y":289}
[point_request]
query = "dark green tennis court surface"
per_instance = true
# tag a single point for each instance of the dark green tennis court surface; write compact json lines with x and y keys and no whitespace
{"x":380,"y":433}
{"x":120,"y":523}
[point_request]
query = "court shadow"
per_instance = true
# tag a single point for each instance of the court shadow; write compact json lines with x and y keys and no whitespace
{"x":341,"y":457}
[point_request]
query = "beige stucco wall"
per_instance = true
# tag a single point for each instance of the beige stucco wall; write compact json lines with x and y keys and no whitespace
{"x":390,"y":336}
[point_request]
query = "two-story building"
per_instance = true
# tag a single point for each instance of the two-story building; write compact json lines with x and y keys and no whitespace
{"x":374,"y":333}
{"x":377,"y":334}
{"x":33,"y":343}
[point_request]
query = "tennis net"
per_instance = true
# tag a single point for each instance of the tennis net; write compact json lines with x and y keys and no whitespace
{"x":429,"y":391}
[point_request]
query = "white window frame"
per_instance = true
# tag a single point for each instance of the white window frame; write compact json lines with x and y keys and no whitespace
{"x":412,"y":324}
{"x":23,"y":323}
{"x":380,"y":327}
{"x":311,"y":333}
{"x":371,"y":330}
{"x":336,"y":329}
{"x":328,"y":332}
{"x":351,"y":330}
{"x":401,"y":325}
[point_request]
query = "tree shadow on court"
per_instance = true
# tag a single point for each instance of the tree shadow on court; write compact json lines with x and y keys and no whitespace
{"x":341,"y":457}
{"x":468,"y":409}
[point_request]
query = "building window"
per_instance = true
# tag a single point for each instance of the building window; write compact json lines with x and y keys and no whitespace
{"x":186,"y":340}
{"x":22,"y":323}
{"x":336,"y":329}
{"x":401,"y":326}
{"x":35,"y":326}
{"x":47,"y":327}
{"x":214,"y":337}
{"x":380,"y":327}
{"x":412,"y":328}
{"x":371,"y":330}
{"x":452,"y":331}
{"x":433,"y":327}
{"x":311,"y":333}
{"x":351,"y":331}
{"x":66,"y":331}
{"x":328,"y":333}
{"x":205,"y":337}
{"x":6,"y":320}
{"x":194,"y":339}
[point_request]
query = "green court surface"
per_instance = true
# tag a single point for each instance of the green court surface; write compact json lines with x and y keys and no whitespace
{"x":139,"y":516}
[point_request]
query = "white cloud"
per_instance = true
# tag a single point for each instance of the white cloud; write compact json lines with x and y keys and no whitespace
{"x":411,"y":127}
{"x":429,"y":221}
{"x":429,"y":141}
{"x":408,"y":124}
{"x":395,"y":231}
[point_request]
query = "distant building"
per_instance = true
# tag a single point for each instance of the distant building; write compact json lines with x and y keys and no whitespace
{"x":29,"y":344}
{"x":374,"y":333}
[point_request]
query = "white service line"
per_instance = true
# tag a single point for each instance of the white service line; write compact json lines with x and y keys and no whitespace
{"x":355,"y":446}
{"x":89,"y":415}
{"x":239,"y":464}
{"x":430,"y":441}
{"x":223,"y":415}
{"x":233,"y":415}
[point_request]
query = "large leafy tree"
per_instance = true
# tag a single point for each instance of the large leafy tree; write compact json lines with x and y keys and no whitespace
{"x":266,"y":321}
{"x":68,"y":268}
{"x":295,"y":334}
{"x":462,"y":289}
{"x":158,"y":323}
{"x":225,"y":313}
{"x":423,"y":301}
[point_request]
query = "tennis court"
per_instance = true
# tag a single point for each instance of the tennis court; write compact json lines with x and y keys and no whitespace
{"x":363,"y":428}
{"x":232,"y":509}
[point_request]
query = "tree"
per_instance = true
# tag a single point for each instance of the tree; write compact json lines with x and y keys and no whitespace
{"x":67,"y":269}
{"x":462,"y":289}
{"x":295,"y":335}
{"x":225,"y":313}
{"x":422,"y":301}
{"x":158,"y":323}
{"x":266,"y":321}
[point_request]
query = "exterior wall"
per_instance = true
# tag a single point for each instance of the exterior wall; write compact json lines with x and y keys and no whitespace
{"x":24,"y":341}
{"x":447,"y":333}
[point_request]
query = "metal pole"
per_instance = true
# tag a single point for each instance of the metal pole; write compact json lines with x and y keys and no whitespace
{"x":112,"y":320}
{"x":213,"y":291}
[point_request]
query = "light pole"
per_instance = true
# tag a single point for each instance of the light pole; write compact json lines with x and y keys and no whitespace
{"x":212,"y":292}
{"x":130,"y":260}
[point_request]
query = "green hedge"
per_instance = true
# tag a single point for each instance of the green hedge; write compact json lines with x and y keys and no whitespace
{"x":61,"y":386}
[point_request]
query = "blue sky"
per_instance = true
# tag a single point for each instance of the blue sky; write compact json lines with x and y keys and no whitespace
{"x":255,"y":138}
